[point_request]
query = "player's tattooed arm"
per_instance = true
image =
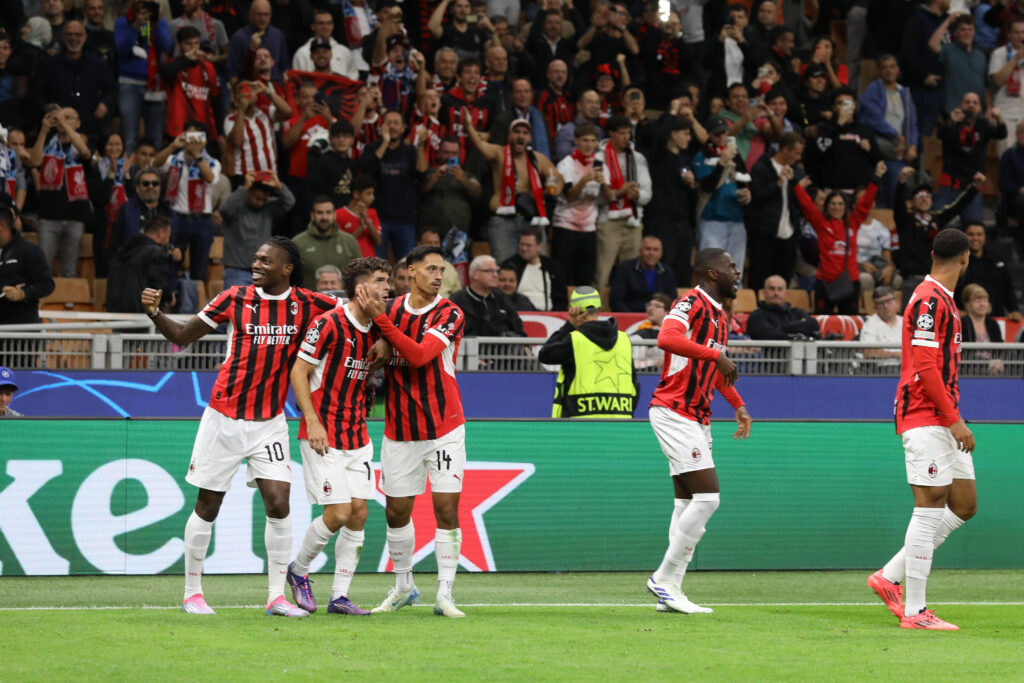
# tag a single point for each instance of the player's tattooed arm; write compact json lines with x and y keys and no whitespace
{"x":172,"y":330}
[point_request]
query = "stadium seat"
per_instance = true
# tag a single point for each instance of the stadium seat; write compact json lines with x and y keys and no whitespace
{"x":681,"y":291}
{"x":69,"y":293}
{"x":99,"y":294}
{"x":746,"y":301}
{"x":931,"y":157}
{"x":32,"y":237}
{"x":605,"y":291}
{"x":201,"y":286}
{"x":215,"y":268}
{"x":481,"y":249}
{"x":885,"y":217}
{"x":799,"y":298}
{"x":215,"y":287}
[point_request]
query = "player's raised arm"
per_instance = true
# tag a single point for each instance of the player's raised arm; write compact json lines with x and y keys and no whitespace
{"x":417,"y":354}
{"x":175,"y":332}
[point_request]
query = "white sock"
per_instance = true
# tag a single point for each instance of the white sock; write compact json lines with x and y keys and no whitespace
{"x":895,"y":569}
{"x":447,"y":543}
{"x":197,"y":542}
{"x":677,"y":512}
{"x":401,"y":544}
{"x":277,"y":536}
{"x":317,"y":536}
{"x":347,"y":550}
{"x":919,"y":547}
{"x":689,"y":530}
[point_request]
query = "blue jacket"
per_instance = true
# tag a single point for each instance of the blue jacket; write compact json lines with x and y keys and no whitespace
{"x":873,"y":104}
{"x":126,"y":36}
{"x":1011,"y":172}
{"x":629,"y":288}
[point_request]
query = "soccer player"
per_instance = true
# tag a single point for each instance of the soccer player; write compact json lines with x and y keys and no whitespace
{"x":693,"y":336}
{"x":244,"y":421}
{"x":424,"y":432}
{"x":329,"y":380}
{"x":936,"y":441}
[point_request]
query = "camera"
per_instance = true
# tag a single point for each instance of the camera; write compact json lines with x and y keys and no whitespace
{"x":195,"y":136}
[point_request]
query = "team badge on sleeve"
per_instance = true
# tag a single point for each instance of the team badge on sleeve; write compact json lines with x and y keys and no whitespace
{"x":313,"y":335}
{"x":925,"y":321}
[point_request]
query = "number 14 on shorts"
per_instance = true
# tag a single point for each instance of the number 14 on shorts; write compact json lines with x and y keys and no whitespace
{"x":443,"y":457}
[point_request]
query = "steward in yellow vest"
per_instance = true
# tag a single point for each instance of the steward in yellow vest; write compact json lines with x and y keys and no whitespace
{"x":597,"y":379}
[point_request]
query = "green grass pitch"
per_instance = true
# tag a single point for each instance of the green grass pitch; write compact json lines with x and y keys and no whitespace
{"x":821,"y":626}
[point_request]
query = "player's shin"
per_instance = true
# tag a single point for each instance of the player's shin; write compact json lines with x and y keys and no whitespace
{"x":919,"y":547}
{"x":197,"y":542}
{"x":896,"y":568}
{"x":401,"y":544}
{"x":689,"y":530}
{"x":347,"y":550}
{"x":277,"y":535}
{"x":447,"y":544}
{"x":677,"y":512}
{"x":316,"y":538}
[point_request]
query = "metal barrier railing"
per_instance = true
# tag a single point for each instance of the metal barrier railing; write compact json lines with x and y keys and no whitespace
{"x":108,"y":349}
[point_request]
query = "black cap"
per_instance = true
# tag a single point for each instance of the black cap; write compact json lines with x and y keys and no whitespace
{"x":717,"y":125}
{"x":815,"y":69}
{"x":320,"y":43}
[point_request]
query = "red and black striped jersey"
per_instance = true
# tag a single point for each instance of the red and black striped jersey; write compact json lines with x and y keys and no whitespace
{"x":435,"y":133}
{"x":687,"y":384}
{"x":425,"y":402}
{"x":931,"y":342}
{"x":480,"y":110}
{"x":263,"y":338}
{"x":558,"y":110}
{"x":338,"y":346}
{"x":370,"y":131}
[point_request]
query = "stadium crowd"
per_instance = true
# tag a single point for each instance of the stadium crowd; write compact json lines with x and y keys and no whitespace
{"x":586,"y":143}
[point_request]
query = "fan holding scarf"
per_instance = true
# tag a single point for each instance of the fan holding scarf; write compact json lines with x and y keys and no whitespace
{"x":520,"y":177}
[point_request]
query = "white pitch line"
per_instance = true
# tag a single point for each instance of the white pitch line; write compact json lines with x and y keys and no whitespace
{"x":112,"y":608}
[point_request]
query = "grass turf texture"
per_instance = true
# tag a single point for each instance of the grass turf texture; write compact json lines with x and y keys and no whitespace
{"x":752,"y":636}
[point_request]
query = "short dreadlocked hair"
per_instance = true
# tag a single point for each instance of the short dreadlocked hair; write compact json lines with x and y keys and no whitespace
{"x":294,"y":257}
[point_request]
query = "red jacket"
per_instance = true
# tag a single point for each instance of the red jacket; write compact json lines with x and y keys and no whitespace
{"x":833,"y":241}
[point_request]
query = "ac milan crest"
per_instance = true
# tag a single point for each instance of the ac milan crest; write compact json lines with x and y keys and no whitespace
{"x":327,"y":488}
{"x":695,"y":454}
{"x":933,"y":470}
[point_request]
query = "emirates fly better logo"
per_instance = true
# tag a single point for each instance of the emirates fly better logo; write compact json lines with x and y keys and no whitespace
{"x":485,"y":485}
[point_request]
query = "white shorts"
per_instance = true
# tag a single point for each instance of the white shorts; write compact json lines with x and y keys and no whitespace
{"x":686,"y":444}
{"x":404,"y":465}
{"x":224,"y":443}
{"x":934,"y":458}
{"x":339,"y":476}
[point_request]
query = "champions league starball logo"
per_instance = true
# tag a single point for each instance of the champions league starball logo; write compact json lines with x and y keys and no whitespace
{"x":313,"y":336}
{"x":925,"y":321}
{"x":685,"y":306}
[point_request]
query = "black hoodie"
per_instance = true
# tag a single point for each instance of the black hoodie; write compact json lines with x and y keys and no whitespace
{"x":139,"y":263}
{"x":23,"y":263}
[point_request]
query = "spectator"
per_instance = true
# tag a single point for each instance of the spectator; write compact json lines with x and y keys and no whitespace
{"x":424,"y":117}
{"x":520,"y":178}
{"x":146,"y":203}
{"x":358,"y":219}
{"x":917,"y":225}
{"x":586,"y":346}
{"x":875,"y":257}
{"x":343,"y":61}
{"x":397,"y":167}
{"x":771,"y":237}
{"x":1011,"y":187}
{"x":1004,"y":69}
{"x":114,"y":168}
{"x":838,"y":284}
{"x":489,"y":313}
{"x":448,"y":192}
{"x":13,"y":184}
{"x":554,"y":101}
{"x":24,"y":274}
{"x":546,"y":45}
{"x":191,"y":173}
{"x":636,"y":280}
{"x":723,"y":178}
{"x":965,"y":136}
{"x":815,"y":99}
{"x":466,"y":40}
{"x":144,"y":261}
{"x":887,"y":107}
{"x":522,"y":108}
{"x":374,"y":44}
{"x":7,"y":389}
{"x":541,"y":279}
{"x":669,"y":216}
{"x":328,"y":278}
{"x":645,"y":136}
{"x":395,"y":78}
{"x":620,"y":219}
{"x":450,"y":280}
{"x":77,"y":79}
{"x":249,"y":132}
{"x":656,"y":309}
{"x":99,"y":40}
{"x":141,"y":39}
{"x":323,"y":242}
{"x":357,"y":20}
{"x":781,"y":44}
{"x":499,"y":87}
{"x":979,"y":327}
{"x":280,"y":108}
{"x":574,"y":239}
{"x":10,"y":82}
{"x":332,"y":168}
{"x":990,"y":272}
{"x":248,"y":216}
{"x":463,"y":104}
{"x":588,"y":108}
{"x":921,"y":66}
{"x":884,"y":326}
{"x":965,"y":67}
{"x":844,"y":153}
{"x":508,"y":282}
{"x":735,"y":54}
{"x":446,"y":63}
{"x":401,"y":283}
{"x":192,"y":87}
{"x":310,"y":122}
{"x":775,"y":318}
{"x":257,"y":33}
{"x":824,"y":54}
{"x":740,"y":116}
{"x":64,"y":163}
{"x":213,"y":37}
{"x":608,"y":35}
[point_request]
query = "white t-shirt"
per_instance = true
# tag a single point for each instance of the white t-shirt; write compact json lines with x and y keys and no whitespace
{"x":579,"y":215}
{"x":1012,"y":107}
{"x":532,"y":286}
{"x":876,"y":331}
{"x":872,"y":239}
